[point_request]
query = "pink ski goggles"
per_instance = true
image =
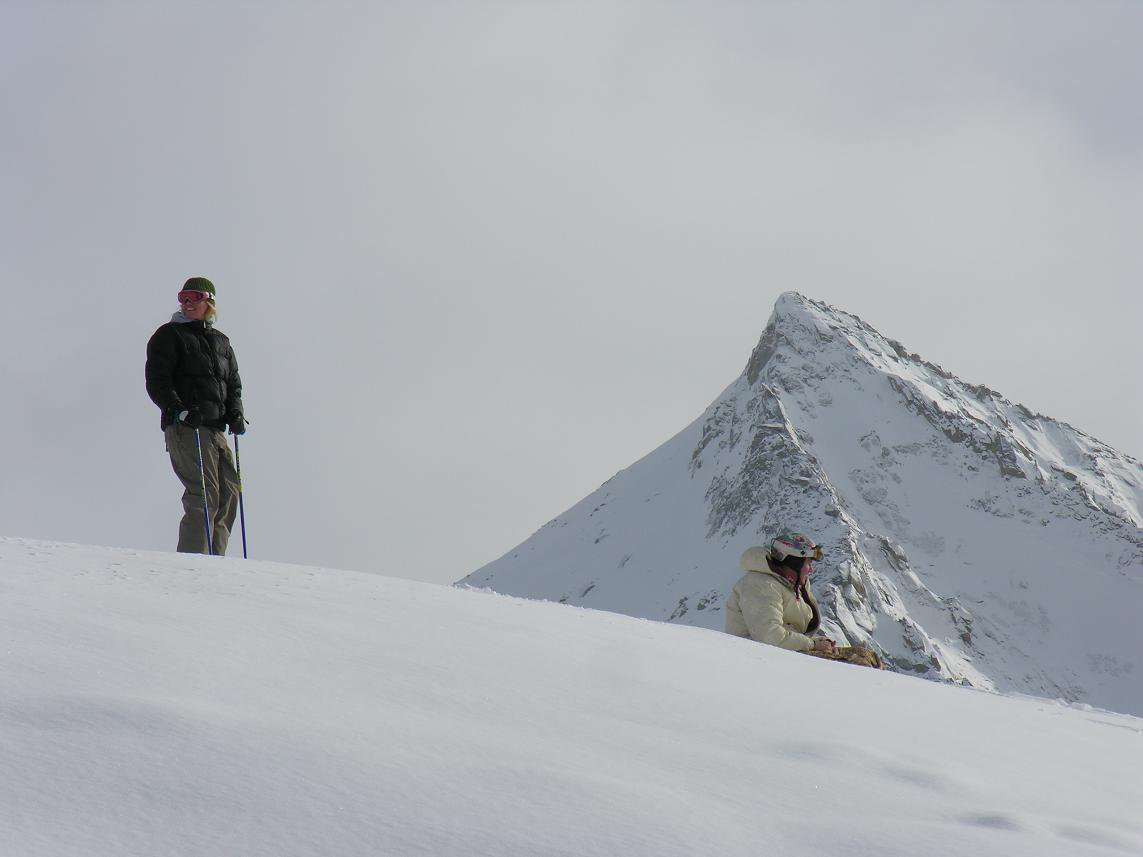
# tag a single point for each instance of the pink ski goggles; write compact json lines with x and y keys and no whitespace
{"x":192,"y":297}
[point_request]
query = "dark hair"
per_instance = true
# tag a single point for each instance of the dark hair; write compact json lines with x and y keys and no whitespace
{"x":794,"y":562}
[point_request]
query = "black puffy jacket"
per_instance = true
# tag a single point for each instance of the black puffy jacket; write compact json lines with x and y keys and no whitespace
{"x":191,"y":365}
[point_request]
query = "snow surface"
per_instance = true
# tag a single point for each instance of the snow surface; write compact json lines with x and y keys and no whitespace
{"x":163,"y":704}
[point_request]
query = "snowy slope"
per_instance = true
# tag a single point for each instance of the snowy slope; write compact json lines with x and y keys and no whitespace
{"x":968,"y":539}
{"x":160,"y":704}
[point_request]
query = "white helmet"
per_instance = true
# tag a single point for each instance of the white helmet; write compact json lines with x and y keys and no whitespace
{"x":794,"y":544}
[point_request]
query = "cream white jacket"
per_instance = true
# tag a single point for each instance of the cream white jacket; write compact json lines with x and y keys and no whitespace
{"x":764,"y":607}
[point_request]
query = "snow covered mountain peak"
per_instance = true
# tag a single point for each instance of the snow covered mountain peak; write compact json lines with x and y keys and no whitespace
{"x":808,"y":336}
{"x":967,"y":538}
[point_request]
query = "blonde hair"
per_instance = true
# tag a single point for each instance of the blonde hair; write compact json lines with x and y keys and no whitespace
{"x":211,"y":313}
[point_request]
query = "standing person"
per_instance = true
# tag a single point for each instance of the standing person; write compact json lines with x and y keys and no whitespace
{"x":772,"y":602}
{"x":193,"y":377}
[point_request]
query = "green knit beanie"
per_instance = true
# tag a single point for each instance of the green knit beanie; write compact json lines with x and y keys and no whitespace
{"x":200,"y":284}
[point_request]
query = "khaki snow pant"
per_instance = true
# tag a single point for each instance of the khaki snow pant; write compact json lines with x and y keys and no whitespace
{"x":853,"y":655}
{"x":221,"y":487}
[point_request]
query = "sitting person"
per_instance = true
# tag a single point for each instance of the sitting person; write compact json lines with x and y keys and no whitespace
{"x":772,"y":602}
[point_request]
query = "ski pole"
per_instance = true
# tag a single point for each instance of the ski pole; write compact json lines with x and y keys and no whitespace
{"x":202,"y":475}
{"x":241,"y":509}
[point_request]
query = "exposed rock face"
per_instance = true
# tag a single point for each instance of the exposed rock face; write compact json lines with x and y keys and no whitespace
{"x":967,"y":539}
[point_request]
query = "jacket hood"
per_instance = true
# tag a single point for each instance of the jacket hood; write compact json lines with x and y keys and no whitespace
{"x":755,"y":559}
{"x":759,"y":559}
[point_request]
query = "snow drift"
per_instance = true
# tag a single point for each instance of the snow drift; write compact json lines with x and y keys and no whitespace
{"x":163,"y":704}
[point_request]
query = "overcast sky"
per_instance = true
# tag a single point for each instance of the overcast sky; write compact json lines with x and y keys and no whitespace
{"x":475,"y":258}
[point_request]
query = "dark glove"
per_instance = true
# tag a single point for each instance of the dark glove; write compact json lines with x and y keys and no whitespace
{"x":190,"y":419}
{"x":174,"y":413}
{"x":236,"y":424}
